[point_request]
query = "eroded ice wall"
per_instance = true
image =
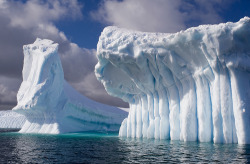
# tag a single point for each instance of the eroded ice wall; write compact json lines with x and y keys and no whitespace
{"x":50,"y":104}
{"x":191,"y":85}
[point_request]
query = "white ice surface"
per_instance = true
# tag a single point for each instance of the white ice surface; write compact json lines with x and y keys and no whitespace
{"x":50,"y":104}
{"x":11,"y":119}
{"x":191,"y":85}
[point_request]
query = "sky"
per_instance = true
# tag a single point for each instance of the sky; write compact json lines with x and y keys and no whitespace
{"x":77,"y":24}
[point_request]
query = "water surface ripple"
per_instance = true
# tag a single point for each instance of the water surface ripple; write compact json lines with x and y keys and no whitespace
{"x":100,"y":148}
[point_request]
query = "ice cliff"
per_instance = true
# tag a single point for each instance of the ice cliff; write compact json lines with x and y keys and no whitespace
{"x":50,"y":104}
{"x":193,"y":85}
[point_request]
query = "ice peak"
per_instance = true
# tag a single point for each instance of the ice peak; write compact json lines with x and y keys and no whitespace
{"x":43,"y":47}
{"x":50,"y":104}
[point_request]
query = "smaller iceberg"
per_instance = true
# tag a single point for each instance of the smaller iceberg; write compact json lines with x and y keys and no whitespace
{"x":50,"y":104}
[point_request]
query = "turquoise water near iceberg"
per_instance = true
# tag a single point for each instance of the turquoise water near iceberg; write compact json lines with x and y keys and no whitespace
{"x":108,"y":148}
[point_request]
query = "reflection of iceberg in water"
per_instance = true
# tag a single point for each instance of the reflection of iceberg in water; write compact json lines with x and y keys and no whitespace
{"x":191,"y":85}
{"x":50,"y":104}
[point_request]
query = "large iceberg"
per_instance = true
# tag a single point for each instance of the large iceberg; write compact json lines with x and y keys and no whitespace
{"x":50,"y":104}
{"x":193,"y":85}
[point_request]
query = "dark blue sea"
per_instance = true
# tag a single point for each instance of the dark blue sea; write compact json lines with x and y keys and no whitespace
{"x":108,"y":148}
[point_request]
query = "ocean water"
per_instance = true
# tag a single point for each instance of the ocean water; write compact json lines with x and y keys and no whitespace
{"x":108,"y":148}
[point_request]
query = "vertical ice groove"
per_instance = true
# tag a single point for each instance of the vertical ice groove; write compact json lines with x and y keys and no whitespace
{"x":123,"y":128}
{"x":164,"y":114}
{"x":236,"y":106}
{"x":151,"y":128}
{"x":203,"y":109}
{"x":129,"y":126}
{"x":192,"y":85}
{"x":216,"y":105}
{"x":241,"y":107}
{"x":139,"y":119}
{"x":174,"y":114}
{"x":188,"y":115}
{"x":234,"y":136}
{"x":145,"y":116}
{"x":226,"y":107}
{"x":133,"y":120}
{"x":157,"y":116}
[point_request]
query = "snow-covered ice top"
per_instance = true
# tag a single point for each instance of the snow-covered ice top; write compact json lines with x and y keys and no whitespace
{"x":50,"y":104}
{"x":191,"y":85}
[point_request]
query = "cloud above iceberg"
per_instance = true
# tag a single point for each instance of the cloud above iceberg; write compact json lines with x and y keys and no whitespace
{"x":159,"y":15}
{"x":21,"y":23}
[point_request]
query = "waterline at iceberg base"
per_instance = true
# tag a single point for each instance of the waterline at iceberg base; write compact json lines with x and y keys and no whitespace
{"x":193,"y":85}
{"x":50,"y":104}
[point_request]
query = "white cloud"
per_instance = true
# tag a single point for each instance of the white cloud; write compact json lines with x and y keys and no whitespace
{"x":144,"y":15}
{"x":159,"y":15}
{"x":35,"y":12}
{"x":8,"y":89}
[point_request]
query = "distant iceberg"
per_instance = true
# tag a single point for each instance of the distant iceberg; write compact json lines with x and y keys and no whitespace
{"x":193,"y":85}
{"x":50,"y":104}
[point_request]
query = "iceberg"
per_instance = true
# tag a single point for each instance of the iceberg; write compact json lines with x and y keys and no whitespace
{"x":50,"y":104}
{"x":193,"y":85}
